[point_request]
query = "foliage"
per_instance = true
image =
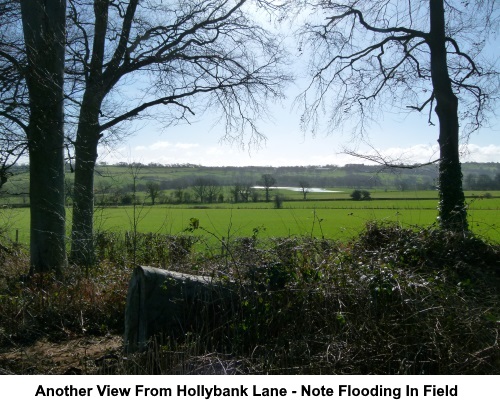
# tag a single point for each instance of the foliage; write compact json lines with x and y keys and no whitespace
{"x":358,"y":195}
{"x":151,"y":249}
{"x":278,"y":201}
{"x":153,"y":191}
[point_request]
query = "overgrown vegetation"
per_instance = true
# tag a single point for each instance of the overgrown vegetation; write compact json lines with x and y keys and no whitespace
{"x":392,"y":300}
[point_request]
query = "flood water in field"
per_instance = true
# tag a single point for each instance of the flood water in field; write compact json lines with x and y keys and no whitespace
{"x":308,"y":189}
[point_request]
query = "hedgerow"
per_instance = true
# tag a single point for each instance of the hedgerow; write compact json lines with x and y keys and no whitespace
{"x":390,"y":301}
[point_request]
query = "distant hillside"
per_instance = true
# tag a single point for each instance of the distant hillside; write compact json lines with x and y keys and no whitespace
{"x":477,"y":176}
{"x":483,"y":176}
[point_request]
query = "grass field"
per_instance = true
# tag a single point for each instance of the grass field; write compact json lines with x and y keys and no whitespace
{"x":335,"y":219}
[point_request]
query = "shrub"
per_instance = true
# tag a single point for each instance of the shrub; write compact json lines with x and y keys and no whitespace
{"x":278,"y":201}
{"x":358,"y":195}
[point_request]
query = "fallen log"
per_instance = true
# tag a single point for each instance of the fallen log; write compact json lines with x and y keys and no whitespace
{"x":169,"y":303}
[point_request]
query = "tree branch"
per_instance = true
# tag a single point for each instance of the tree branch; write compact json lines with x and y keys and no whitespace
{"x":359,"y":14}
{"x":386,"y":162}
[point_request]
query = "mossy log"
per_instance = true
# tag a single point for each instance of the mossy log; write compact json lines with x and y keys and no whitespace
{"x":170,"y":304}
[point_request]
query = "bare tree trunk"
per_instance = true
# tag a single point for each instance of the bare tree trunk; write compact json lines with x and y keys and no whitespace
{"x":82,"y":234}
{"x":44,"y":24}
{"x":87,"y":139}
{"x":82,"y":245}
{"x":452,"y":210}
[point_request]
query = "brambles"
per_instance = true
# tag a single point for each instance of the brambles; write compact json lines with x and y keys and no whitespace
{"x":392,"y":300}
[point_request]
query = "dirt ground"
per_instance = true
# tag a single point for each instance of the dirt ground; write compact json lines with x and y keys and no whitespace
{"x":90,"y":355}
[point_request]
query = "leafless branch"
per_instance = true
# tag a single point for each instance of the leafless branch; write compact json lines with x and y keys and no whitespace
{"x":387,"y":162}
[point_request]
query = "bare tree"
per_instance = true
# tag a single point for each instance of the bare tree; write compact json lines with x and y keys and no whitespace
{"x":44,"y":36}
{"x":199,"y":188}
{"x":206,"y":189}
{"x":241,"y":191}
{"x":304,"y":187}
{"x":179,"y":188}
{"x":153,"y":190}
{"x":14,"y":108}
{"x":185,"y":56}
{"x":214,"y":190}
{"x":428,"y":56}
{"x":245,"y":191}
{"x":11,"y":150}
{"x":235,"y":192}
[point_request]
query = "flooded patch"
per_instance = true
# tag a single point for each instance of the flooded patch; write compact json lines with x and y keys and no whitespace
{"x":309,"y":189}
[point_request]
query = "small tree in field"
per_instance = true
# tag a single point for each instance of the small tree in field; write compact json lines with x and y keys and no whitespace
{"x":370,"y":55}
{"x":153,"y":190}
{"x":304,"y":186}
{"x":278,"y":201}
{"x":365,"y":195}
{"x":358,"y":195}
{"x":267,"y":182}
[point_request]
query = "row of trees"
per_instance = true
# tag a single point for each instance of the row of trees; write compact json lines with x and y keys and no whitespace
{"x":68,"y":68}
{"x":202,"y":189}
{"x":210,"y":190}
{"x":482,"y":182}
{"x":107,"y":191}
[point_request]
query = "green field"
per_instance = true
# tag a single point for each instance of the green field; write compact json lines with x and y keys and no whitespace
{"x":335,"y":219}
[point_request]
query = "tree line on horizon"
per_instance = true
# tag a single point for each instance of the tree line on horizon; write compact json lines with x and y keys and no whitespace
{"x":237,"y":184}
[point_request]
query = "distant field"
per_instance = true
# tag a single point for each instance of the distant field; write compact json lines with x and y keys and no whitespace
{"x":337,"y":219}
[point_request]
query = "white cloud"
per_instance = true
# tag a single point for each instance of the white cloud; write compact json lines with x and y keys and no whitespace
{"x":475,"y":153}
{"x":186,"y":145}
{"x":215,"y":151}
{"x":160,"y":145}
{"x":420,"y":153}
{"x":286,"y":154}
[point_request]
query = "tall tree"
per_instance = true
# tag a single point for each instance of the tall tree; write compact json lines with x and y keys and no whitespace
{"x":44,"y":23}
{"x":418,"y":55}
{"x":184,"y":56}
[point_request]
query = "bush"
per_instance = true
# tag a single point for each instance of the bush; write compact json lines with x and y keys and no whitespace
{"x":126,"y":199}
{"x":278,"y":201}
{"x":358,"y":195}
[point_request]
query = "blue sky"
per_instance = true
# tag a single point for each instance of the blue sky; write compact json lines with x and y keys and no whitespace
{"x":405,"y":137}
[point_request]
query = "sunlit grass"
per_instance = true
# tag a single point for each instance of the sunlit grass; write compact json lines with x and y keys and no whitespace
{"x":336,"y":219}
